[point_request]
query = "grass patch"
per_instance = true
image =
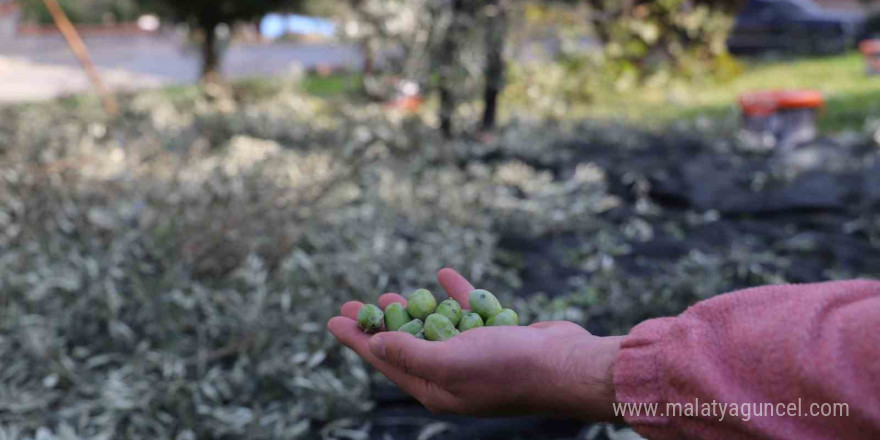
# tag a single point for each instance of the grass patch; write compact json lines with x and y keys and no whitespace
{"x":332,"y":85}
{"x":851,"y":94}
{"x":256,"y":89}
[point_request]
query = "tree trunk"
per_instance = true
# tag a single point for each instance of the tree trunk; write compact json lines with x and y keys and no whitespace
{"x":210,"y":55}
{"x":369,"y":67}
{"x":448,"y":65}
{"x":494,"y":70}
{"x":447,"y":108}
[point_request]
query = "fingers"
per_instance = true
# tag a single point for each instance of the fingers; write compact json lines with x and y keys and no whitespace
{"x":455,"y":285}
{"x":350,"y":309}
{"x":428,"y":393}
{"x":411,"y":355}
{"x":352,"y":337}
{"x":389,"y":298}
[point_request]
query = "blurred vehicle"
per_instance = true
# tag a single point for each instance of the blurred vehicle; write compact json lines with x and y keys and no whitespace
{"x":793,"y":27}
{"x":871,"y":29}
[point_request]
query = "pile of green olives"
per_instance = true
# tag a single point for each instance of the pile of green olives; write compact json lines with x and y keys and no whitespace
{"x":425,"y":319}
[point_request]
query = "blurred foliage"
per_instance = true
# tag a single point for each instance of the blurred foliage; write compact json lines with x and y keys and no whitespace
{"x":407,"y":33}
{"x":83,"y":11}
{"x":654,"y":40}
{"x":169,"y":274}
{"x":447,"y":48}
{"x":640,"y":43}
{"x":452,"y":47}
{"x":620,"y":51}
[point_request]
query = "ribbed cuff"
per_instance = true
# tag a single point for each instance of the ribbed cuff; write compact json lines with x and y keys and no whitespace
{"x":639,"y":379}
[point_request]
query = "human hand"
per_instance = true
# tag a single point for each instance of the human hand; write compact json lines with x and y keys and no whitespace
{"x":548,"y":367}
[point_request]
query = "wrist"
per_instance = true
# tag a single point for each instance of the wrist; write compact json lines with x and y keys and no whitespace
{"x":585,"y":389}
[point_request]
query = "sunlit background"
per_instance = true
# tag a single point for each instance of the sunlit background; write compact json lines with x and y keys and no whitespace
{"x":189,"y":190}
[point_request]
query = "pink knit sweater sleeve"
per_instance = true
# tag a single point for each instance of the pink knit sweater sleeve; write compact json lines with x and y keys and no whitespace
{"x":798,"y":348}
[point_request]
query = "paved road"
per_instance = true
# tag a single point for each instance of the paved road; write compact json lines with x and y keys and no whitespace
{"x":42,"y":67}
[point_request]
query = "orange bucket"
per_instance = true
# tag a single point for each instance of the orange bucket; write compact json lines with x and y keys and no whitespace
{"x":768,"y":102}
{"x":800,"y":99}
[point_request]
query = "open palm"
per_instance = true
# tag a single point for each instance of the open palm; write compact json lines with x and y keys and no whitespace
{"x":548,"y":367}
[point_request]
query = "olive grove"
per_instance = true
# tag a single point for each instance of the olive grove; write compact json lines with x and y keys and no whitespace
{"x":457,"y":48}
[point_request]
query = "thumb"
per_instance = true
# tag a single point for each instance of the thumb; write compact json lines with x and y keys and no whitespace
{"x":408,"y":353}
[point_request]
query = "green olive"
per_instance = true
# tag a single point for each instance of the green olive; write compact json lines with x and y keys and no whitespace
{"x":469,"y":320}
{"x":439,"y":328}
{"x":420,"y":335}
{"x":413,"y":327}
{"x":504,"y":317}
{"x":451,"y":309}
{"x":396,"y":316}
{"x":421,"y":304}
{"x":484,"y":303}
{"x":370,"y":318}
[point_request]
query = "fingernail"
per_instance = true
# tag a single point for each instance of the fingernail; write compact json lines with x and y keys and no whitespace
{"x":377,"y":347}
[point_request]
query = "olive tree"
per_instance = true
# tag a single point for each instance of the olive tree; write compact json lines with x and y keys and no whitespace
{"x":451,"y":47}
{"x":207,"y":15}
{"x":496,"y":37}
{"x":644,"y":36}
